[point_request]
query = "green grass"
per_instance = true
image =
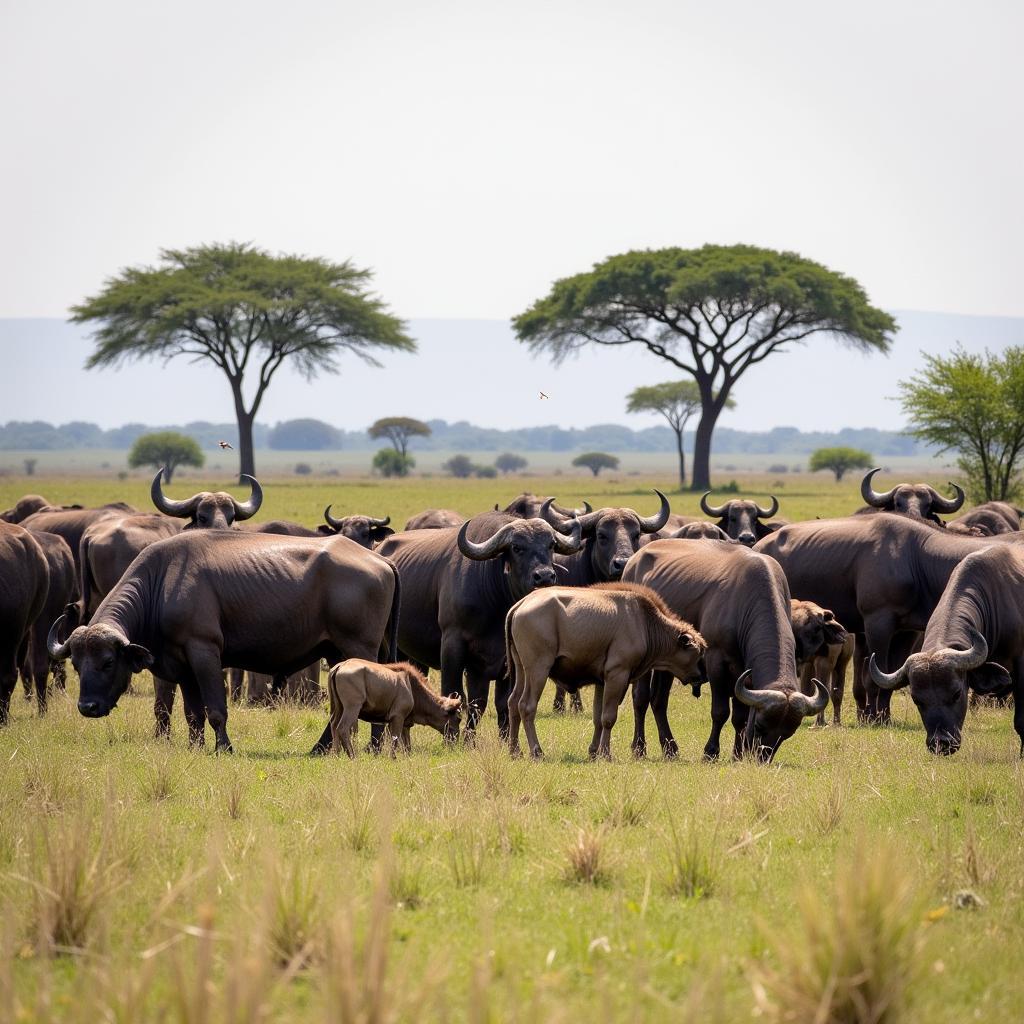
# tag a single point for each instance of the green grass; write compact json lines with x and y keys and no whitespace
{"x":457,"y":883}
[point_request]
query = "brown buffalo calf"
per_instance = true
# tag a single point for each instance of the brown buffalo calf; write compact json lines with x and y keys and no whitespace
{"x":396,"y":695}
{"x":605,"y":635}
{"x":823,"y":650}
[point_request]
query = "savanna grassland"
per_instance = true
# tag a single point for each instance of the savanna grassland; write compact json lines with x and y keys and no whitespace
{"x":142,"y":880}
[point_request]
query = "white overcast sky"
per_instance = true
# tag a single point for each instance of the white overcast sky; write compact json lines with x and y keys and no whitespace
{"x":472,"y":152}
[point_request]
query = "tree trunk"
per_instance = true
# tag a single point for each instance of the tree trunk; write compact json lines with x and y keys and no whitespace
{"x":682,"y":459}
{"x":245,"y":418}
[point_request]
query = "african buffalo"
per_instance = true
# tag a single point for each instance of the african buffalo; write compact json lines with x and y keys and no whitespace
{"x":71,"y":523}
{"x":742,"y":520}
{"x":739,"y":601}
{"x":457,"y":587}
{"x":529,"y":506}
{"x":881,"y":576}
{"x":24,"y":507}
{"x":366,"y":531}
{"x":605,"y":635}
{"x":396,"y":695}
{"x":702,"y":530}
{"x":24,"y":581}
{"x":61,"y":590}
{"x":975,"y":631}
{"x":190,"y":605}
{"x":918,"y":501}
{"x":216,"y":510}
{"x":435,"y":519}
{"x":823,"y":650}
{"x":988,"y":519}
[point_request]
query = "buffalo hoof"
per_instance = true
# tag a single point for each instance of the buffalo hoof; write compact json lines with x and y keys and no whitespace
{"x":558,"y":708}
{"x":537,"y":754}
{"x":670,"y":750}
{"x":319,"y":750}
{"x":576,"y":704}
{"x":639,"y":749}
{"x":710,"y":754}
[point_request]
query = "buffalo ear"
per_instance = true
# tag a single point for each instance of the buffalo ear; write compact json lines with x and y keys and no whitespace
{"x":989,"y":679}
{"x":685,"y":640}
{"x":324,"y":531}
{"x":380,"y":533}
{"x":139,"y":657}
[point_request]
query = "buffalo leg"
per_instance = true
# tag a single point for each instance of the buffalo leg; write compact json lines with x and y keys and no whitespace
{"x":641,"y":702}
{"x":661,"y":690}
{"x":595,"y":741}
{"x":740,"y":717}
{"x":204,"y":660}
{"x":195,"y":717}
{"x":614,"y":691}
{"x":235,"y":679}
{"x":860,"y":672}
{"x":502,"y":686}
{"x":453,"y":666}
{"x":163,"y":705}
{"x":720,"y":692}
{"x":558,"y":707}
{"x":1018,"y":701}
{"x":839,"y":684}
{"x":529,"y":698}
{"x":478,"y":689}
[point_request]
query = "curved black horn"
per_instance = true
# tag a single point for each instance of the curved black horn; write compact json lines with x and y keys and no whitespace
{"x":870,"y":495}
{"x":888,"y":680}
{"x":494,"y":545}
{"x":247,"y":509}
{"x":562,"y":519}
{"x":179,"y":509}
{"x":760,"y":700}
{"x":334,"y":524}
{"x":808,"y":706}
{"x":379,"y":522}
{"x":571,"y":544}
{"x":768,"y":513}
{"x":710,"y":510}
{"x":948,"y":505}
{"x":973,"y":657}
{"x":570,"y":512}
{"x":57,"y":650}
{"x":652,"y":524}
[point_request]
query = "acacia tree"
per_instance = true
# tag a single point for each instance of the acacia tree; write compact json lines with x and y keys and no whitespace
{"x":509,"y":462}
{"x":974,"y":405}
{"x":398,"y":430}
{"x":596,"y":461}
{"x":677,"y":401}
{"x":246,"y":311}
{"x":711,"y":312}
{"x":840,"y":460}
{"x":165,"y":448}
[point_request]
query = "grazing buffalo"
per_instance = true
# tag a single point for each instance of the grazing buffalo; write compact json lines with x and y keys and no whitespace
{"x":24,"y":582}
{"x":190,"y":605}
{"x":742,"y":520}
{"x":529,"y":506}
{"x":435,"y":519}
{"x":457,"y":588}
{"x":739,"y":601}
{"x":397,"y":696}
{"x":606,"y":635}
{"x":823,"y":651}
{"x":702,"y":530}
{"x":918,"y":501}
{"x":881,"y":576}
{"x":366,"y":531}
{"x":71,"y":523}
{"x":209,"y":510}
{"x":974,"y":633}
{"x":61,"y":590}
{"x":24,"y":507}
{"x":988,"y":520}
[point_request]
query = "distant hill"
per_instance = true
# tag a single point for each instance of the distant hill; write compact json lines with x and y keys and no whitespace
{"x":315,"y":435}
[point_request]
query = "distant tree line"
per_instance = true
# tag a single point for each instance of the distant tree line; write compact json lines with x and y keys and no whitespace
{"x":315,"y":435}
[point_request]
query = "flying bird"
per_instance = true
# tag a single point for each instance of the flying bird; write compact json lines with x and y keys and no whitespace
{"x":224,"y":444}
{"x":542,"y":395}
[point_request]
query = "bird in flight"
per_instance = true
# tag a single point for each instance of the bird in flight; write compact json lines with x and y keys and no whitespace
{"x":542,"y":395}
{"x":224,"y":444}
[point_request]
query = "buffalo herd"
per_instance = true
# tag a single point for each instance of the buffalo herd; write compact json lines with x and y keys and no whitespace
{"x":770,"y":615}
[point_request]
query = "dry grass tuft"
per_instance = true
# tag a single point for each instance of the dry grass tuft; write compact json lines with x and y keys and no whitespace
{"x":693,"y":861}
{"x":291,"y":914}
{"x":855,"y":953}
{"x":587,"y":855}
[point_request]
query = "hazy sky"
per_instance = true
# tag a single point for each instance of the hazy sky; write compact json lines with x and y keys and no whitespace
{"x":471,"y":152}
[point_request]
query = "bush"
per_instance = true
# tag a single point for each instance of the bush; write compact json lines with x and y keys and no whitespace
{"x":303,"y":468}
{"x":389,"y":462}
{"x":460,"y":466}
{"x":596,"y":461}
{"x":509,"y":462}
{"x":485,"y":471}
{"x":165,"y":448}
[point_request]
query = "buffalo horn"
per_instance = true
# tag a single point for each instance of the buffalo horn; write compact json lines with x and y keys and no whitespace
{"x":768,"y":513}
{"x":179,"y":509}
{"x":494,"y":545}
{"x":570,"y":512}
{"x":948,"y":505}
{"x":247,"y":509}
{"x":973,"y":657}
{"x":571,"y":544}
{"x":58,"y":651}
{"x":871,"y":496}
{"x":379,"y":522}
{"x":808,"y":706}
{"x":652,"y":524}
{"x":888,"y":680}
{"x":760,"y":700}
{"x":710,"y":510}
{"x":334,"y":524}
{"x":561,"y":518}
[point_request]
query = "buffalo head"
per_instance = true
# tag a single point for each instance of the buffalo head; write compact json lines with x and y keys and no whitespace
{"x":527,"y":547}
{"x":104,"y":660}
{"x":701,"y":531}
{"x":741,"y":520}
{"x":612,"y":535}
{"x":919,"y":501}
{"x":364,"y":530}
{"x":814,"y":627}
{"x":209,"y":510}
{"x":938,"y":685}
{"x":775,"y":714}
